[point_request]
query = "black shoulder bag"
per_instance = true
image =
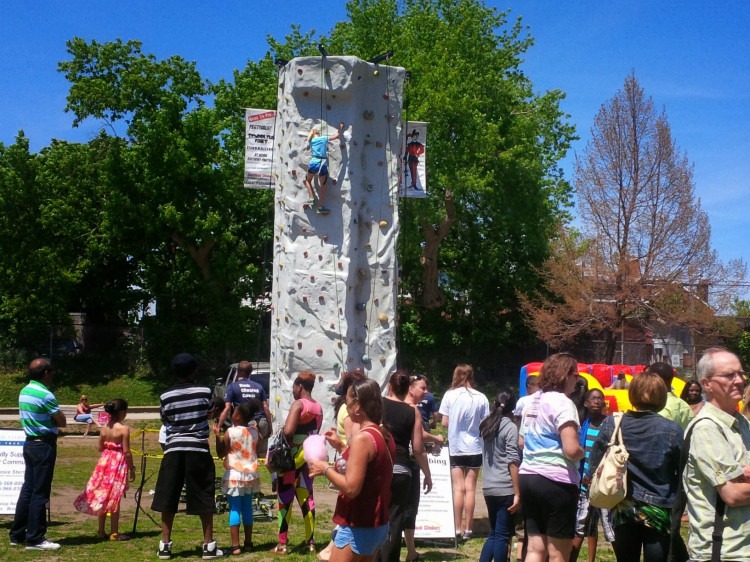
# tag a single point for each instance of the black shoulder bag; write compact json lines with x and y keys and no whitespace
{"x":279,"y":457}
{"x":677,"y":549}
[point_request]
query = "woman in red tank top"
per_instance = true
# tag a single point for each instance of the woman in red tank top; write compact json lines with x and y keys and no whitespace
{"x":365,"y":480}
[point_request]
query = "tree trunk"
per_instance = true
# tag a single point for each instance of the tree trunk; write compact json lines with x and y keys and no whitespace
{"x":610,"y":346}
{"x":432,"y":295}
{"x":202,"y":257}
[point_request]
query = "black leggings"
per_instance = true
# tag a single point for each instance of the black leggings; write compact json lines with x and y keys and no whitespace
{"x":391,"y":549}
{"x":631,"y":537}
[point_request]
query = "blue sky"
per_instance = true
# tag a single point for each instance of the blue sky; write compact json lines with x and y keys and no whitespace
{"x":690,"y":56}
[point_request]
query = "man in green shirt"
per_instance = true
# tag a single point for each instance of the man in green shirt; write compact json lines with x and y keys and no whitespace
{"x":676,"y":409}
{"x":40,"y":419}
{"x":718,"y":463}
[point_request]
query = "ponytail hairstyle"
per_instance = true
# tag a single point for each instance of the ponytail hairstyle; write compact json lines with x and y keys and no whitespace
{"x":349,"y":379}
{"x":399,"y":384}
{"x":505,"y":402}
{"x":249,"y":409}
{"x":115,"y":406}
{"x":463,"y":376}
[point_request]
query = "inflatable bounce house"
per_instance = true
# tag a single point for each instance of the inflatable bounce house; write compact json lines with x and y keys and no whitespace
{"x":602,"y":376}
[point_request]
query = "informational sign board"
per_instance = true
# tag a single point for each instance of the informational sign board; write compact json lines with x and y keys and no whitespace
{"x":435,"y":516}
{"x":259,"y":135}
{"x":12,"y":468}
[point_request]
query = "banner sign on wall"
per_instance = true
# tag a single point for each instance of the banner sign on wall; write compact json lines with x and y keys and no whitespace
{"x":12,"y":468}
{"x":414,"y":151}
{"x":435,"y":515}
{"x":259,"y":136}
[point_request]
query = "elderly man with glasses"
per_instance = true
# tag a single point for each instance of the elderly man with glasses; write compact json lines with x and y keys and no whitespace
{"x":718,"y":464}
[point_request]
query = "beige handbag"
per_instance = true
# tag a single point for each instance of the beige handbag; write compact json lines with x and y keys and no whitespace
{"x":609,"y":484}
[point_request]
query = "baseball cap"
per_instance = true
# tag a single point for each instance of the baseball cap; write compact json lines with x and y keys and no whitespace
{"x":183,"y":364}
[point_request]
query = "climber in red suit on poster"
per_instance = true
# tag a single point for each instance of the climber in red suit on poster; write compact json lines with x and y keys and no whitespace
{"x":414,"y":149}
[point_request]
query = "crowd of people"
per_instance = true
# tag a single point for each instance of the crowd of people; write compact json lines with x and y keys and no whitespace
{"x":537,"y":456}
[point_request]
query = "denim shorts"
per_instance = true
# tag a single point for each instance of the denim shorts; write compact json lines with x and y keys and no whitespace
{"x":362,"y":540}
{"x":317,"y":166}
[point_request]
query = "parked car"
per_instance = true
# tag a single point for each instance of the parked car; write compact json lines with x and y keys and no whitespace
{"x":67,"y":348}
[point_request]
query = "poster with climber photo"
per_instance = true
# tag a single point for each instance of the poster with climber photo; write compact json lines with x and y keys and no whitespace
{"x":414,"y":151}
{"x":259,"y":134}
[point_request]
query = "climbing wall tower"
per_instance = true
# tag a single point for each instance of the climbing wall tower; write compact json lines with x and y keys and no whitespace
{"x":335,"y":276}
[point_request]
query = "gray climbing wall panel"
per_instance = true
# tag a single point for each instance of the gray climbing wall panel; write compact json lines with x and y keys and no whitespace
{"x":335,"y":276}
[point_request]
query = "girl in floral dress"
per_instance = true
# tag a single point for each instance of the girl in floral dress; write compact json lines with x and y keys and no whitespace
{"x":238,"y":449}
{"x":109,"y":480}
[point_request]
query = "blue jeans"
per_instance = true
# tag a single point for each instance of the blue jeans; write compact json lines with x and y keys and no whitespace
{"x":30,"y":522}
{"x":501,"y":529}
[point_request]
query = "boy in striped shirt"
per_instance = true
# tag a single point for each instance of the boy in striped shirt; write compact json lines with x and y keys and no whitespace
{"x":588,"y":516}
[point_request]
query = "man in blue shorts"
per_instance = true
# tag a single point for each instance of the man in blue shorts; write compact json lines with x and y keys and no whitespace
{"x":187,"y":459}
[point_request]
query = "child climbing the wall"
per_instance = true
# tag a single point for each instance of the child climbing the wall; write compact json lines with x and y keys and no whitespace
{"x":238,"y":449}
{"x":109,"y":480}
{"x":318,"y":166}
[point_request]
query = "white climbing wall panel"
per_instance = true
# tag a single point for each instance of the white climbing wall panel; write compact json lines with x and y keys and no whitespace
{"x":335,"y":276}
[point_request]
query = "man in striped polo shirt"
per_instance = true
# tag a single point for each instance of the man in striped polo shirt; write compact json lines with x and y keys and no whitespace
{"x":40,"y":419}
{"x":187,"y":458}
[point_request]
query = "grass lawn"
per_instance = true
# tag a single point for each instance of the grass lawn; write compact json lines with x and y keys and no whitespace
{"x":77,"y":532}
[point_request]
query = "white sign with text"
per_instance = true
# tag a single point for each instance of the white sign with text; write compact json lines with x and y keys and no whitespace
{"x":12,"y":469}
{"x":435,"y":516}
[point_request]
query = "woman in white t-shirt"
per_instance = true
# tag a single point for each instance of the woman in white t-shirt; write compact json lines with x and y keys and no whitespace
{"x":463,"y":408}
{"x":549,"y":476}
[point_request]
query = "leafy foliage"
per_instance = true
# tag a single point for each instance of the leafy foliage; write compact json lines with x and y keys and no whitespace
{"x":153,"y":208}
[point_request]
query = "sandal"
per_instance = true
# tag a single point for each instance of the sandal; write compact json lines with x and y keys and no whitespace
{"x":235,"y":550}
{"x":119,"y":537}
{"x":248,"y":546}
{"x":311,"y":548}
{"x":280,"y":549}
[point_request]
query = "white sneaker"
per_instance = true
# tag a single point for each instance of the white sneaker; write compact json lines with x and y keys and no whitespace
{"x":165,"y":550}
{"x":211,"y":551}
{"x":44,"y":545}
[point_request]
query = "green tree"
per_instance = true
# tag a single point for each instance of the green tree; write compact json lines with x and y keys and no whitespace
{"x":496,"y":191}
{"x":181,"y":212}
{"x":29,"y":293}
